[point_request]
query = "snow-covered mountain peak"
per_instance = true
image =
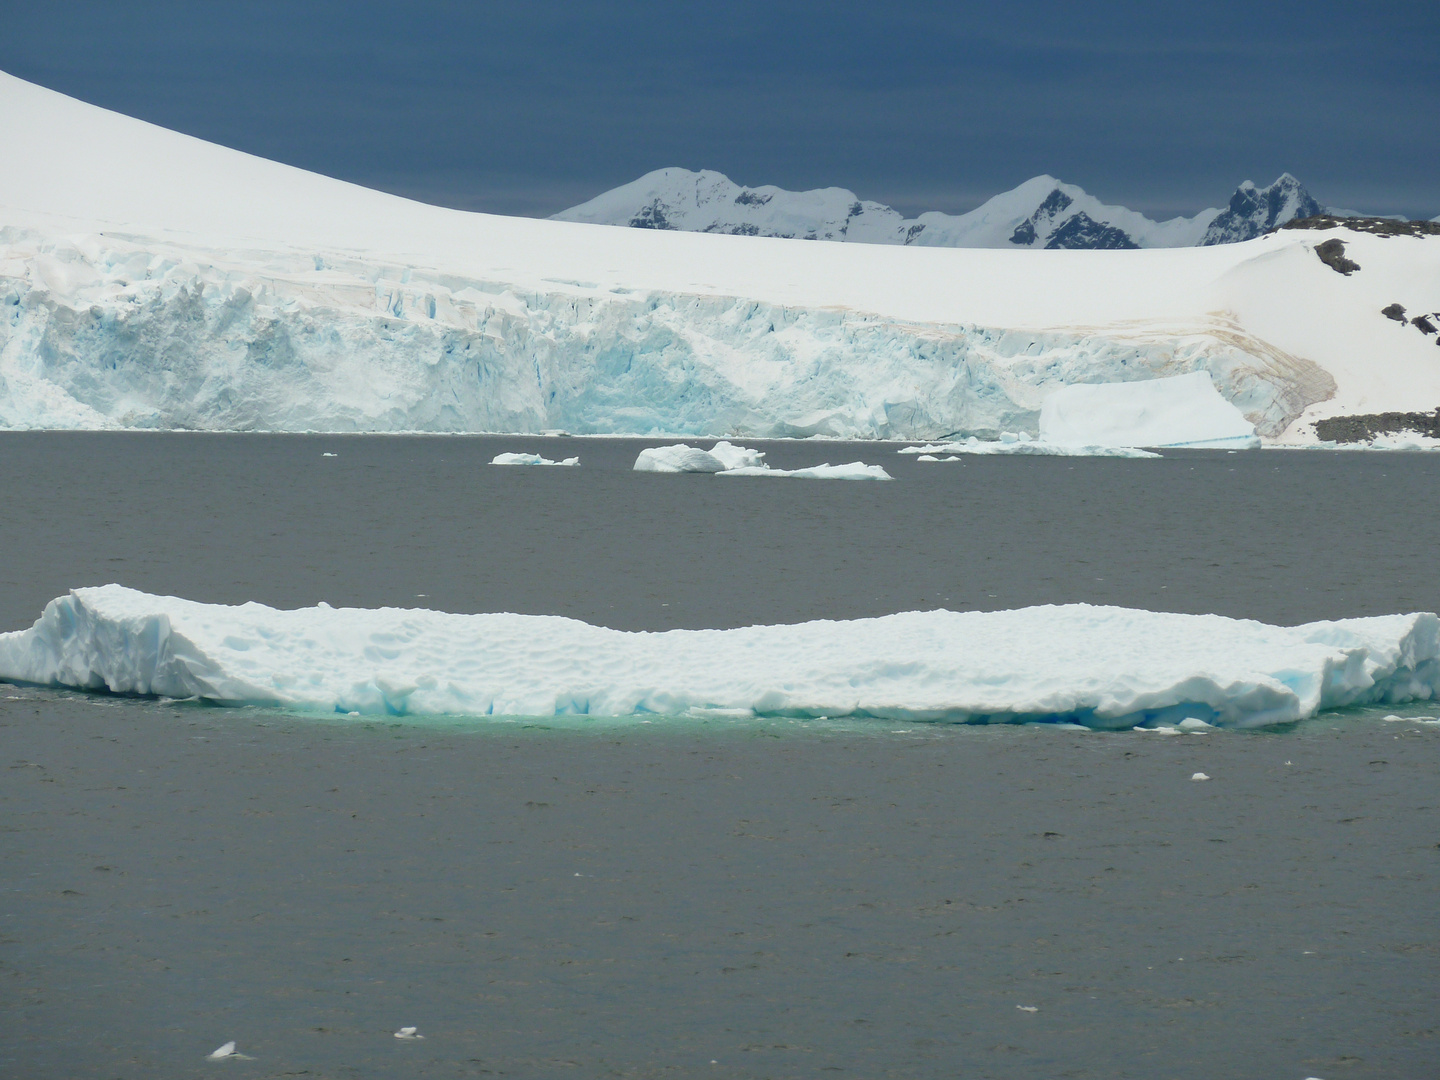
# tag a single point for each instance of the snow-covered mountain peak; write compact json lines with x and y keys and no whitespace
{"x":1043,"y":212}
{"x":1254,"y":211}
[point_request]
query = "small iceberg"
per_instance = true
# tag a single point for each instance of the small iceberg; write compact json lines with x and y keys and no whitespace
{"x":1019,"y":443}
{"x":530,"y":459}
{"x":726,"y":459}
{"x":855,"y":470}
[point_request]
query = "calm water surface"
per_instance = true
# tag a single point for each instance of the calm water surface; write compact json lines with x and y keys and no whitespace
{"x":723,"y":899}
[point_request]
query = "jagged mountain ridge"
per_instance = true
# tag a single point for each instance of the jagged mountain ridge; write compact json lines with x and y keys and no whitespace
{"x":1043,"y":212}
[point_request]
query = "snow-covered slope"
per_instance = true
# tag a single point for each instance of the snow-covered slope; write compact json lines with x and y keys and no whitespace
{"x":1043,"y":212}
{"x":149,"y":279}
{"x":1103,"y":667}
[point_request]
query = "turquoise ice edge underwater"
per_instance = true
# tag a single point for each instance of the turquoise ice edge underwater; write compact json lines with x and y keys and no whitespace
{"x":1424,"y":714}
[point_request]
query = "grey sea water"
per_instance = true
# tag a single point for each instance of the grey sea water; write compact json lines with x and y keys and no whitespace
{"x":710,"y":899}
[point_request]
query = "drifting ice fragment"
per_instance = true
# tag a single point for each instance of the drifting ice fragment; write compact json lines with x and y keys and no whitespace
{"x":738,"y":457}
{"x":855,"y":470}
{"x":677,"y":459}
{"x":1199,"y":776}
{"x":1103,"y":667}
{"x":1019,"y":446}
{"x":530,"y":459}
{"x":223,"y":1053}
{"x":728,"y":460}
{"x":408,"y":1033}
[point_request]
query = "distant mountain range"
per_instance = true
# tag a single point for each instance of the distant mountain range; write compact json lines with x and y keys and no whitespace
{"x":1041,"y":213}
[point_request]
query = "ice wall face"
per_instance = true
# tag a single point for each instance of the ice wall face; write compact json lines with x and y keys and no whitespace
{"x":103,"y":332}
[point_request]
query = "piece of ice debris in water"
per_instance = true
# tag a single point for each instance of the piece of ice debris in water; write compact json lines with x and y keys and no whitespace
{"x":1199,"y":776}
{"x":1195,"y":725}
{"x":927,"y":457}
{"x":408,"y":1033}
{"x":678,"y":458}
{"x":1027,"y":1008}
{"x":223,"y":1053}
{"x":530,"y":459}
{"x":327,"y":454}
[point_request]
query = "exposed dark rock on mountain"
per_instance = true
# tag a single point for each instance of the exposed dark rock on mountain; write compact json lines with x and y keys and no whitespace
{"x":1332,"y":254}
{"x":1362,"y":428}
{"x":1081,"y":232}
{"x":1255,"y":211}
{"x":1375,"y":225}
{"x":1043,"y":212}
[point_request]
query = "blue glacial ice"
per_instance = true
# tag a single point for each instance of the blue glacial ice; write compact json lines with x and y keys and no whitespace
{"x":99,"y":331}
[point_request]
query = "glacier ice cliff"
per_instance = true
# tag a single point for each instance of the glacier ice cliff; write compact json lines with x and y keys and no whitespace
{"x":109,"y":331}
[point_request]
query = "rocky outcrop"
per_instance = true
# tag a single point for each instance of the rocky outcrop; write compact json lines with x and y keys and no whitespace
{"x":1255,"y":211}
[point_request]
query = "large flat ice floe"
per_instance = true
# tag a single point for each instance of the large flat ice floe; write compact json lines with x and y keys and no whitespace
{"x":1098,"y":666}
{"x":152,"y":280}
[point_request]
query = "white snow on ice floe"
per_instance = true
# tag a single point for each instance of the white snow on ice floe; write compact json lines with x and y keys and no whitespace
{"x":1103,"y":667}
{"x":152,"y":280}
{"x":727,"y":460}
{"x":1020,"y":443}
{"x":1185,"y":410}
{"x":853,"y":470}
{"x":530,"y":459}
{"x":677,"y":459}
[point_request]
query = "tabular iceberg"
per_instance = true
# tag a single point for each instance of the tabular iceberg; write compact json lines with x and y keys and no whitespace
{"x":1098,"y":666}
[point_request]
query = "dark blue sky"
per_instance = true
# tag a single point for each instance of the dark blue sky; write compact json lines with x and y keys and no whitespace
{"x":529,"y":107}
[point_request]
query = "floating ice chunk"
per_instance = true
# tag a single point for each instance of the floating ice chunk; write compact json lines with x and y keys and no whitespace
{"x":408,"y":1033}
{"x":855,"y":470}
{"x":678,"y":459}
{"x":1027,"y":1008}
{"x":1195,"y":725}
{"x":737,"y":457}
{"x":726,"y":459}
{"x":1185,"y":410}
{"x":1407,"y":440}
{"x":1103,"y":667}
{"x":530,"y":459}
{"x":1020,"y":445}
{"x":226,"y":1052}
{"x":1199,"y":776}
{"x":328,"y":454}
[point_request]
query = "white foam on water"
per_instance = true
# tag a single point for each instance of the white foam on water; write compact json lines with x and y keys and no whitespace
{"x":1103,"y":667}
